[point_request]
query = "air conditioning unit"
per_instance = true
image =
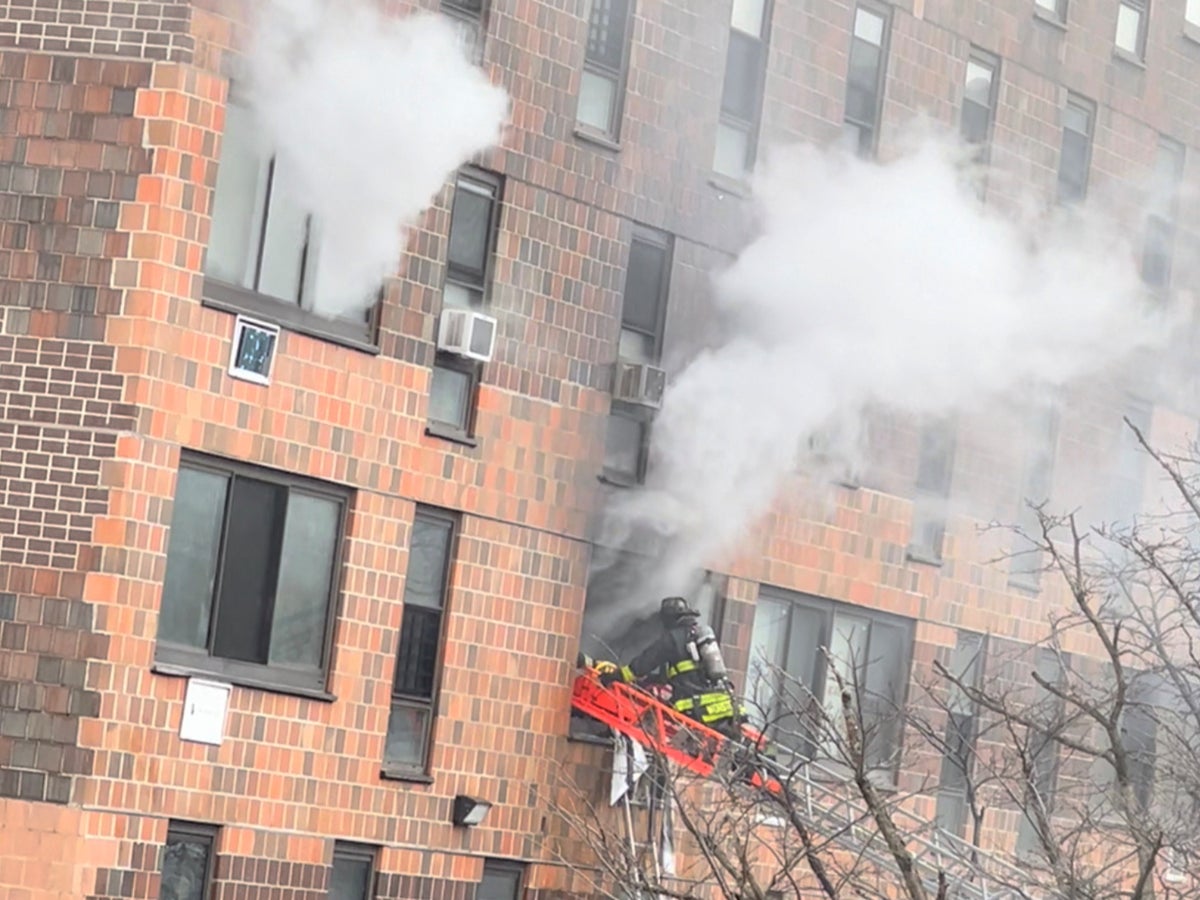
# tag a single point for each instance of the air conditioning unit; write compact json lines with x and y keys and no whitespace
{"x":465,"y":332}
{"x":253,"y":351}
{"x":639,"y":383}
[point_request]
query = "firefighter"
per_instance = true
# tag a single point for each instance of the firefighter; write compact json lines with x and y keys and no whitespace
{"x":688,"y":658}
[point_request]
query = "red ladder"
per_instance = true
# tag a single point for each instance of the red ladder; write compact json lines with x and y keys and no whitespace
{"x":653,"y":724}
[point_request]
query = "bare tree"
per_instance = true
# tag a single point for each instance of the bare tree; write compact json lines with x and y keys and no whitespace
{"x":1077,"y":756}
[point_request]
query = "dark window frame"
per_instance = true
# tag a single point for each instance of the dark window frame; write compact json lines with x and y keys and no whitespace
{"x":1142,"y":8}
{"x":506,"y":867}
{"x":481,"y":284}
{"x":952,"y":801}
{"x":619,"y":77}
{"x":1058,"y":14}
{"x":815,"y":681}
{"x":992,"y":63}
{"x":752,"y":126}
{"x":1161,"y":228}
{"x":173,"y":658}
{"x":664,"y":242}
{"x":290,"y":314}
{"x":885,"y":13}
{"x":421,"y":771}
{"x":1037,"y":486}
{"x":1048,"y":753}
{"x":358,"y":853}
{"x":933,"y":484}
{"x":195,"y":831}
{"x":1066,"y":187}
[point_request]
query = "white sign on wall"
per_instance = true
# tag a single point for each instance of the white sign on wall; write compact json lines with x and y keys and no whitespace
{"x":204,"y":708}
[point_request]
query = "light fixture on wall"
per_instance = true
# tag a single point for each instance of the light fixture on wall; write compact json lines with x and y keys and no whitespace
{"x":468,"y":811}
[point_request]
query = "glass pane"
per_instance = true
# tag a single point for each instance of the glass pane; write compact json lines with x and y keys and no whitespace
{"x":428,"y":561}
{"x":306,"y":564}
{"x":1077,"y":118}
{"x":743,"y":69}
{"x":457,"y":296}
{"x":1129,"y":27}
{"x":748,"y":16}
{"x":406,"y":736}
{"x":248,"y":571}
{"x":470,"y":225}
{"x":636,"y":346}
{"x":597,"y":95}
{"x":237,"y":202}
{"x":975,"y":122}
{"x":450,"y":397}
{"x":498,"y":884}
{"x":979,"y":83}
{"x":416,"y":659}
{"x":195,"y":541}
{"x":623,"y":445}
{"x":607,"y":23}
{"x":732,"y":150}
{"x":285,"y":237}
{"x":185,"y":867}
{"x":868,"y":26}
{"x":349,"y":878}
{"x":644,"y":281}
{"x":1192,"y":12}
{"x":862,"y":82}
{"x":1072,"y":166}
{"x":767,"y":642}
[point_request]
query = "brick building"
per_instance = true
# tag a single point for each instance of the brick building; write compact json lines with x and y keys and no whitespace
{"x":427,"y":519}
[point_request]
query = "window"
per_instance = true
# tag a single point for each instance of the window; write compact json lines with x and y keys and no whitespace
{"x":418,"y":656}
{"x":1131,"y":27}
{"x":1041,"y":749}
{"x":187,"y":862}
{"x":264,"y":246}
{"x":741,"y":96}
{"x":605,"y":63}
{"x":474,"y":218}
{"x":864,"y":81}
{"x":351,"y":875}
{"x":962,"y":723}
{"x":1159,"y":248}
{"x":979,"y":98}
{"x":501,"y":881}
{"x":1026,"y":565}
{"x":935,"y":467}
{"x":620,"y":614}
{"x":1191,"y":12}
{"x":1056,"y":8}
{"x":643,"y":310}
{"x":1075,"y":156}
{"x":471,"y":13}
{"x":1128,"y":475}
{"x":871,"y":650}
{"x":252,"y":574}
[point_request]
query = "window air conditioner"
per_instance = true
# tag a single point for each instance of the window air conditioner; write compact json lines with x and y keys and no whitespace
{"x":465,"y":332}
{"x":639,"y":383}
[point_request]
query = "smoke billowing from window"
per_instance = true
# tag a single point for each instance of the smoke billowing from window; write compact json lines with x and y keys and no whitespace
{"x":874,"y":286}
{"x":371,"y":114}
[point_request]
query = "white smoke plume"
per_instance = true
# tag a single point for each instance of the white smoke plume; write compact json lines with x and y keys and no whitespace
{"x":370,"y":113}
{"x":873,"y":286}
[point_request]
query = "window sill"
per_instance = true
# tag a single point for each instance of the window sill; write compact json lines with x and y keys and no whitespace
{"x":451,"y":434}
{"x":1191,"y":31}
{"x":230,"y":299}
{"x":923,"y":558}
{"x":1044,"y":15}
{"x":604,"y":141}
{"x":393,"y":773}
{"x":612,"y":479}
{"x":1130,"y":59}
{"x":173,"y":670}
{"x":1024,"y":587}
{"x":727,"y":185}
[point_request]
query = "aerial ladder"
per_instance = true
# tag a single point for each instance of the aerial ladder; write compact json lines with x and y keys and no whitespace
{"x":637,"y":715}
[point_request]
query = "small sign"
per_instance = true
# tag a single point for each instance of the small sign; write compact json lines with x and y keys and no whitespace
{"x":204,"y":706}
{"x":253,"y":350}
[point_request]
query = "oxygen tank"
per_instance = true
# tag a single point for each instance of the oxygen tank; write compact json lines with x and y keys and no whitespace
{"x":706,"y":651}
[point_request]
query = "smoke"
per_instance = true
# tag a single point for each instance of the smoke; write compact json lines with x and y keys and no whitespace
{"x":873,"y":286}
{"x":370,"y":114}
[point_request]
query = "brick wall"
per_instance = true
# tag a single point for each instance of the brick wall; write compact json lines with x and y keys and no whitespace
{"x":135,"y":29}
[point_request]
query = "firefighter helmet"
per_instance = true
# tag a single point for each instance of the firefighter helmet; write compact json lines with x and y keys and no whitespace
{"x":674,"y":608}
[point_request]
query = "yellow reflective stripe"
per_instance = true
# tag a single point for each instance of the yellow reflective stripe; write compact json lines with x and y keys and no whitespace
{"x":686,"y":704}
{"x":627,"y":673}
{"x":687,"y":665}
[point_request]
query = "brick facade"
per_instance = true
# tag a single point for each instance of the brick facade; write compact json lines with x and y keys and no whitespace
{"x":112,"y":364}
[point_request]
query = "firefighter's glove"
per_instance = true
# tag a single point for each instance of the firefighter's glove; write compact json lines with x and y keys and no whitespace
{"x":610,"y":677}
